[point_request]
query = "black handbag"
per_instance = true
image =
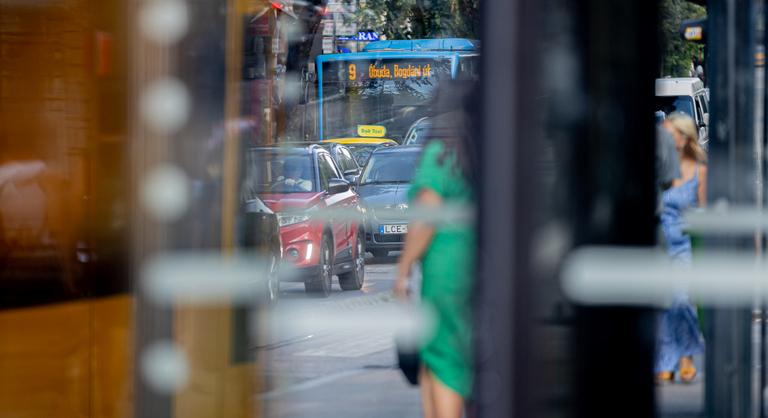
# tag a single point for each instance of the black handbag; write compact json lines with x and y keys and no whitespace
{"x":409,"y":362}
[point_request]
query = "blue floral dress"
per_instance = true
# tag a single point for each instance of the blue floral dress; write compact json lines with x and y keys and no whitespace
{"x":678,"y":332}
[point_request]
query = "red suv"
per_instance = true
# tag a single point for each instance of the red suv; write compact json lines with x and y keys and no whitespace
{"x":304,"y":186}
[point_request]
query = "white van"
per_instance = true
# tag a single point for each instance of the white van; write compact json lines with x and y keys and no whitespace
{"x":686,"y":95}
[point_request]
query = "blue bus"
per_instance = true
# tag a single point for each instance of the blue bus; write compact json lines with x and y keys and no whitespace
{"x":384,"y":89}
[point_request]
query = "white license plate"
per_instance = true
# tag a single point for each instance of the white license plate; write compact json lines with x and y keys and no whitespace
{"x":393,"y":229}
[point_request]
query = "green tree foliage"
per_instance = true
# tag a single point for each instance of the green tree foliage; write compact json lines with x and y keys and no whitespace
{"x":676,"y":53}
{"x":417,"y":19}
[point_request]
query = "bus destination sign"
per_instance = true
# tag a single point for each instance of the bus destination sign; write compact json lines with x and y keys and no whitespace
{"x":389,"y":71}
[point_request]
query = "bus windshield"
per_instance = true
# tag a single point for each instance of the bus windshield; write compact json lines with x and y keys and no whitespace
{"x":392,"y":92}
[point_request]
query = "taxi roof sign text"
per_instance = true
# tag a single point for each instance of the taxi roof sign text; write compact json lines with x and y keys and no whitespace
{"x":375,"y":131}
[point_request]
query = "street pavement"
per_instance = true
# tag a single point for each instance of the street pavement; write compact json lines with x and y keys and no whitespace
{"x":682,"y":400}
{"x":336,"y":373}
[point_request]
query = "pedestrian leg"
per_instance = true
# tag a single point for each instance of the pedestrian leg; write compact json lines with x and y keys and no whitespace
{"x":446,"y":402}
{"x":427,"y":400}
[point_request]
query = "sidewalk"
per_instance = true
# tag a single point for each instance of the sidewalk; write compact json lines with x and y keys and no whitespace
{"x":366,"y":392}
{"x":681,"y":400}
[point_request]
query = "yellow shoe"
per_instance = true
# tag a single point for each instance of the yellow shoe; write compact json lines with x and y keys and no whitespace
{"x":687,"y":369}
{"x":665,"y":377}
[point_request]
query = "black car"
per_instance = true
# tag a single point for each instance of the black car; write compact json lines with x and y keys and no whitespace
{"x":383,"y":189}
{"x":261,"y":234}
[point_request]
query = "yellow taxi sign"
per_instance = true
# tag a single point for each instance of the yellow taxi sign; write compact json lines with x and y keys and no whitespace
{"x":375,"y":131}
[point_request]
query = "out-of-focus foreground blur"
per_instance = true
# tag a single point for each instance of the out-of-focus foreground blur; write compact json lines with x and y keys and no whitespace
{"x":208,"y":208}
{"x":67,"y":317}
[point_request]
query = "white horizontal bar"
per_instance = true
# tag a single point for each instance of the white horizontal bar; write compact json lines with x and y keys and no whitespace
{"x":727,"y":221}
{"x":207,"y":277}
{"x":646,"y":276}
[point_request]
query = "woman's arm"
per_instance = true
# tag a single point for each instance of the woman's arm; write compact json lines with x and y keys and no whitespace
{"x":416,"y":241}
{"x":702,"y":191}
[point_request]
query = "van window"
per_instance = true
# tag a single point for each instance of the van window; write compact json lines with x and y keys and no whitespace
{"x":699,"y":112}
{"x":704,"y":103}
{"x":670,"y":104}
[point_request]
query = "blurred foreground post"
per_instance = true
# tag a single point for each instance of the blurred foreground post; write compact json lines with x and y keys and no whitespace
{"x":731,"y":66}
{"x":504,"y":370}
{"x":612,"y":198}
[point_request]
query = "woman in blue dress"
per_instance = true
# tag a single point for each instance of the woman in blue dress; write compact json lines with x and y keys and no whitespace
{"x":678,"y":335}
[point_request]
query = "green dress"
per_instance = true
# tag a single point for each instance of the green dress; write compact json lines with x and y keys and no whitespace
{"x":447,"y":267}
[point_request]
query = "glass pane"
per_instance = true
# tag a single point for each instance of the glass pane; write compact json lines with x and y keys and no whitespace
{"x":392,"y":93}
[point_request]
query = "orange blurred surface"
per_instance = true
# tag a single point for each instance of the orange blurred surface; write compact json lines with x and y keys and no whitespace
{"x":67,"y":360}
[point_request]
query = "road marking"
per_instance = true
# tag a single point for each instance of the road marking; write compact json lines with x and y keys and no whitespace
{"x":309,"y":384}
{"x":348,"y":345}
{"x":387,"y":269}
{"x":279,"y":344}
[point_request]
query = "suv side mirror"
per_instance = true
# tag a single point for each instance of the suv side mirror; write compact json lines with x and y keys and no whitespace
{"x":352,"y":175}
{"x":337,"y":186}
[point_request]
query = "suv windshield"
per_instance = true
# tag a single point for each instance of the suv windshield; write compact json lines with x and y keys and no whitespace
{"x":270,"y":171}
{"x":390,"y":167}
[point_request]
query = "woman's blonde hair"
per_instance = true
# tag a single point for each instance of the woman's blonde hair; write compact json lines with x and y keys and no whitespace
{"x":686,"y":126}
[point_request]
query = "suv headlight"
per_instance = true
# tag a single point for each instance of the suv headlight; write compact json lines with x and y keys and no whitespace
{"x":295,"y":217}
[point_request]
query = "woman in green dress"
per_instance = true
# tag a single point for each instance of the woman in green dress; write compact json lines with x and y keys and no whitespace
{"x":447,"y":251}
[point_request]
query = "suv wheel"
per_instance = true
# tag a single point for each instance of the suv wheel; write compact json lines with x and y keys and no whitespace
{"x":321,"y":285}
{"x":353,"y":280}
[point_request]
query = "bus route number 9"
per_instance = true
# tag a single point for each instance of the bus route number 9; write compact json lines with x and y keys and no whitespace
{"x":352,"y":71}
